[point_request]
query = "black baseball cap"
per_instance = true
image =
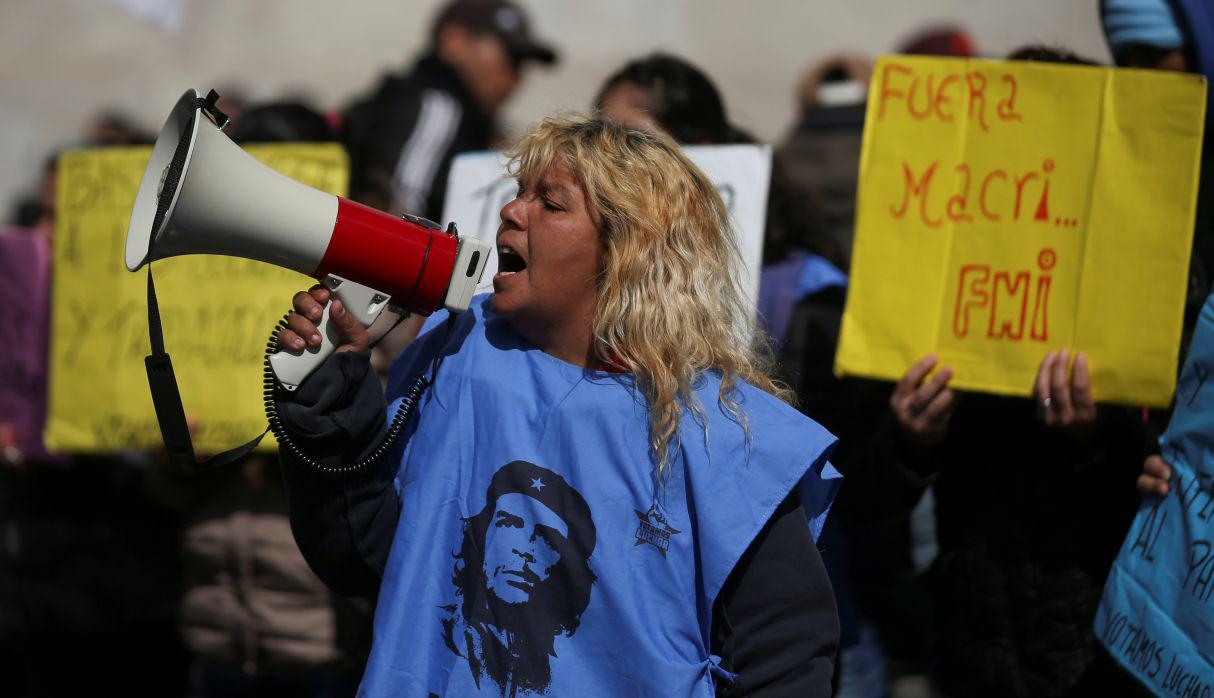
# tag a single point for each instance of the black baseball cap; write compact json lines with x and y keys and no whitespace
{"x":503,"y":19}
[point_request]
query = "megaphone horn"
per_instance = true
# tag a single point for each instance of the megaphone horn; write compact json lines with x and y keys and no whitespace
{"x":202,"y":194}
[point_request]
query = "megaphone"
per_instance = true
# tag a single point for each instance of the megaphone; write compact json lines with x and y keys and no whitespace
{"x":202,"y":194}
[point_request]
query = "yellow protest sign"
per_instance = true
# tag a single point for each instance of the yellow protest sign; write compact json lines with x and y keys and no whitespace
{"x":218,"y":312}
{"x":1009,"y":208}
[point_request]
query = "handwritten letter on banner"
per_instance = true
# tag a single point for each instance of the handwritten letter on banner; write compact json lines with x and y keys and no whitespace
{"x":217,"y":311}
{"x":1157,"y":613}
{"x":1009,"y":208}
{"x":477,"y":189}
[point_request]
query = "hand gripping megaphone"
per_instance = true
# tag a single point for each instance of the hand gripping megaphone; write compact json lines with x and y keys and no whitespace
{"x":202,"y":194}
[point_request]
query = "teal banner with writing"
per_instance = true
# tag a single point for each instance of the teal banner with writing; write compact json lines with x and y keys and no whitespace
{"x":1157,"y":614}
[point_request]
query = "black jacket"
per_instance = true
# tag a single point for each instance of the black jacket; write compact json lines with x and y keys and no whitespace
{"x":1028,"y":523}
{"x":1028,"y":519}
{"x":402,"y":139}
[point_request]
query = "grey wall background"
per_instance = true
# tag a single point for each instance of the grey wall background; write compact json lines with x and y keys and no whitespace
{"x":62,"y":61}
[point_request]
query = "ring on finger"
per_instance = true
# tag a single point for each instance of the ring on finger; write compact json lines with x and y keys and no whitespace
{"x":1047,"y":403}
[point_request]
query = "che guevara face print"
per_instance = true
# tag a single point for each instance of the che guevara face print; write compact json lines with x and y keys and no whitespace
{"x":521,"y":578}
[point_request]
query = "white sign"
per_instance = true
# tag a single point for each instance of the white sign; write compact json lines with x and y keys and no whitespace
{"x":478,"y":188}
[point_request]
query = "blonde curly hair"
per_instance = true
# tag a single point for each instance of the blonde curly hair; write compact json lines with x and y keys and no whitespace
{"x":670,"y":303}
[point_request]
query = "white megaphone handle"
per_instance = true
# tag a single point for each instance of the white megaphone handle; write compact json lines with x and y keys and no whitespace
{"x":292,"y":366}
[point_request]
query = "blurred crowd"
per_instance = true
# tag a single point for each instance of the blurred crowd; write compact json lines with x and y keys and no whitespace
{"x":967,"y":549}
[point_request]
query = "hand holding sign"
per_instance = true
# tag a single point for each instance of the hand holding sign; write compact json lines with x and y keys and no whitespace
{"x":1063,"y":404}
{"x":1005,"y":207}
{"x":924,"y":408}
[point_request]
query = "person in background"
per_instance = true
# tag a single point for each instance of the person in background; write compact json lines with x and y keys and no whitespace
{"x":403,"y":137}
{"x":891,"y":625}
{"x":822,"y":152}
{"x":800,"y":261}
{"x":1175,"y":35}
{"x":36,"y":211}
{"x":291,"y":121}
{"x":88,"y":570}
{"x":939,"y":40}
{"x":1033,"y":498}
{"x":663,"y":92}
{"x":115,"y":128}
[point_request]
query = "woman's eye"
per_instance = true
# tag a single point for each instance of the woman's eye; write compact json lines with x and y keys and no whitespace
{"x":548,"y":204}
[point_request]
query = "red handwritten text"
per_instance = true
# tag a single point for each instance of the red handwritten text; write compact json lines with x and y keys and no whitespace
{"x":947,"y":96}
{"x":994,"y":195}
{"x":1009,"y":301}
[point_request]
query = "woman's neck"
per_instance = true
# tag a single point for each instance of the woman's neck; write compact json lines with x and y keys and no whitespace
{"x":569,"y":341}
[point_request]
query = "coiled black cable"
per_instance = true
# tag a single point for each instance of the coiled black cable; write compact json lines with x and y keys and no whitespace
{"x":404,"y":411}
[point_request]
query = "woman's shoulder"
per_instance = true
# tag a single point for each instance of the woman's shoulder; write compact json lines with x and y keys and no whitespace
{"x":762,"y":410}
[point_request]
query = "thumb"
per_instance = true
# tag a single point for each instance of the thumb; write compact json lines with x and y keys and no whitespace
{"x":348,"y":326}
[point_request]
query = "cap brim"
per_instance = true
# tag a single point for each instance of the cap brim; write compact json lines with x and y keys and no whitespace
{"x":530,"y":51}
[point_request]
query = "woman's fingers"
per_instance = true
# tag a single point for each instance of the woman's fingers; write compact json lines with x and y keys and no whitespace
{"x":923,"y":407}
{"x":1151,"y":487}
{"x":1064,"y":393}
{"x":940,"y":408}
{"x":931,"y":389}
{"x":309,"y":305}
{"x":1156,"y":474}
{"x":1081,"y":387}
{"x":304,"y":328}
{"x":1041,"y":388}
{"x":1060,"y":389}
{"x":913,"y":376}
{"x":289,"y":340}
{"x":1156,"y":467}
{"x":301,"y":325}
{"x":1081,"y":380}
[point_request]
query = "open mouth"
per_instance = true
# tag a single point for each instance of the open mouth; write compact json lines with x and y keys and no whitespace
{"x":509,"y":261}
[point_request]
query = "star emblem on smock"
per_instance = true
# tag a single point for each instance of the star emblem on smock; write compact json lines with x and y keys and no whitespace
{"x":654,"y":529}
{"x":538,"y":484}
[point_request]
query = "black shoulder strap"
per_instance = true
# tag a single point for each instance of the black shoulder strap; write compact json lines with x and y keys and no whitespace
{"x":166,"y":396}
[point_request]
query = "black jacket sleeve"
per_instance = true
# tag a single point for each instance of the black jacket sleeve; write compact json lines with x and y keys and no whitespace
{"x":343,"y":525}
{"x":775,"y":623}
